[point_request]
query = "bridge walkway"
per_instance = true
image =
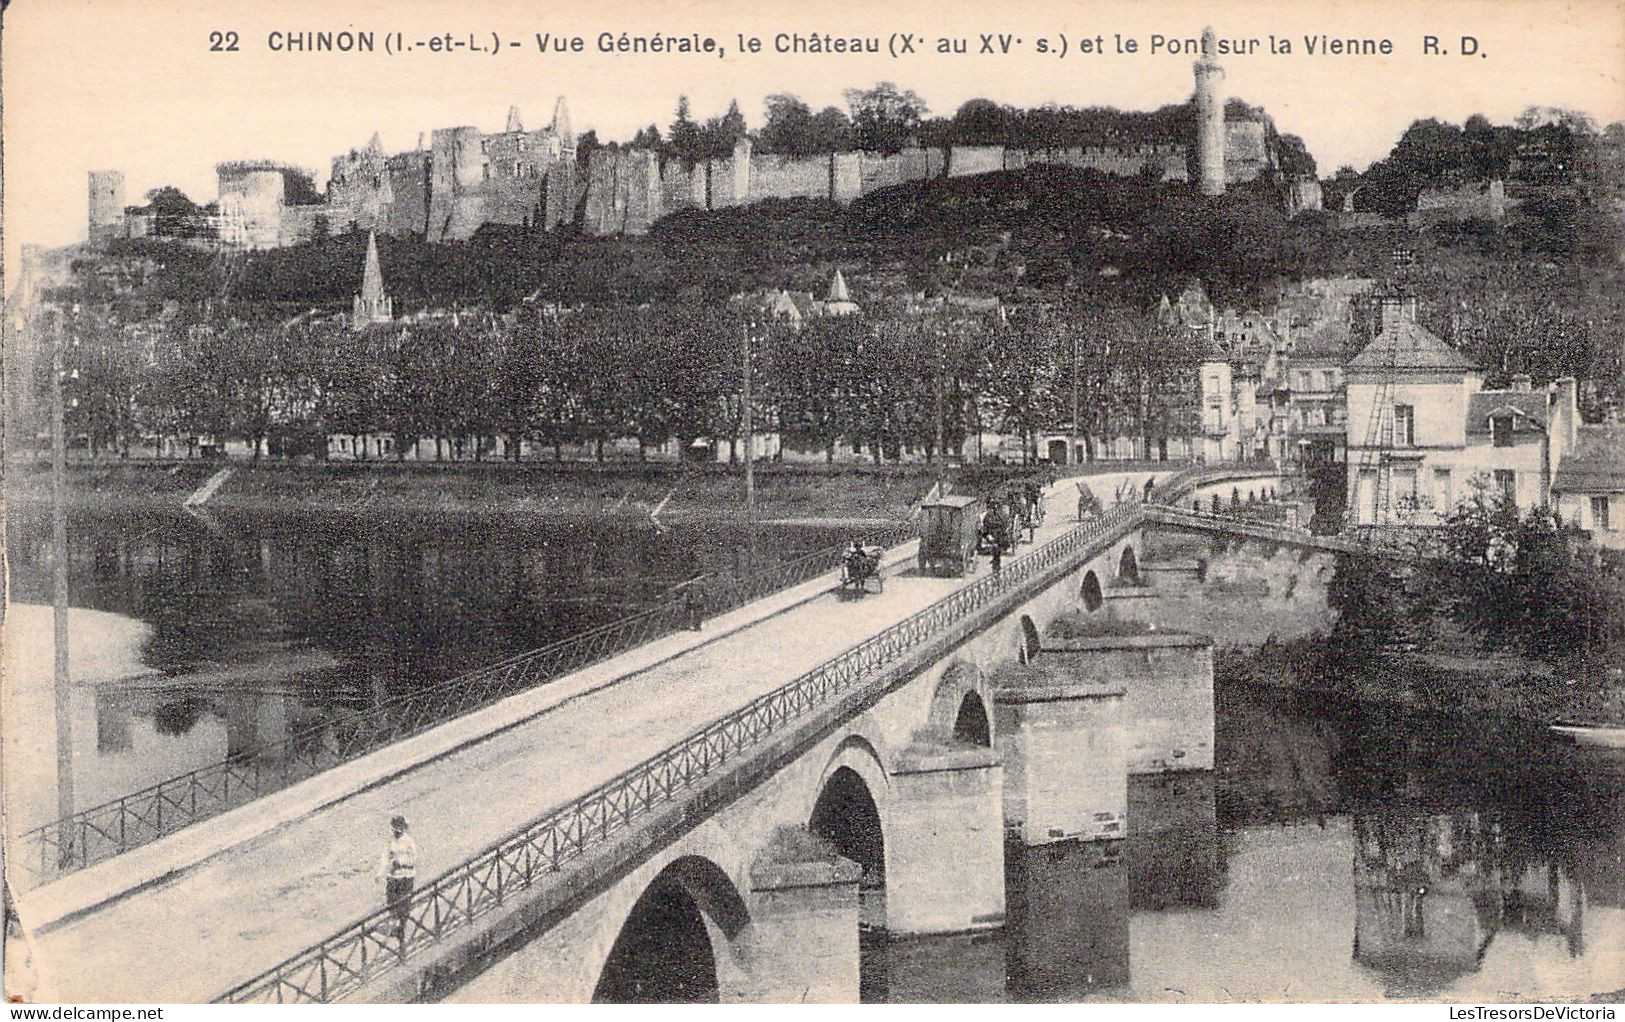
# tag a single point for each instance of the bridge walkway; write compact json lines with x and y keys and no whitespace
{"x":277,"y":893}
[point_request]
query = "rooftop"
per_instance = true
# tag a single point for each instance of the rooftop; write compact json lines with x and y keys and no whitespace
{"x":1597,"y":463}
{"x":1405,"y":345}
{"x":1482,"y":406}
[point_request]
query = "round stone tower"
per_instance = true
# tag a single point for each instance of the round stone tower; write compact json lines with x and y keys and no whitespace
{"x":1210,"y":117}
{"x":106,"y":204}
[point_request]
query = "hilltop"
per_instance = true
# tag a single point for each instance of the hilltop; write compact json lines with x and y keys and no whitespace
{"x":1039,"y":233}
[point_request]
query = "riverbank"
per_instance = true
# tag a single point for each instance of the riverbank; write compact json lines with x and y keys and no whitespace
{"x":1480,"y":686}
{"x":667,"y":492}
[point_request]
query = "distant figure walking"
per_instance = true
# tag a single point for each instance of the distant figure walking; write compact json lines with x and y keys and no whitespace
{"x":1150,"y":484}
{"x":998,"y":555}
{"x":691,"y":601}
{"x":398,"y":870}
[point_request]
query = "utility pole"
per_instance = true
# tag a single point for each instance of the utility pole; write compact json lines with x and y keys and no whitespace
{"x":750,"y":442}
{"x":59,"y":594}
{"x":1072,"y":455}
{"x":942,"y":457}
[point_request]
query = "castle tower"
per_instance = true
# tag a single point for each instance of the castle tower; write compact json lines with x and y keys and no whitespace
{"x":561,"y":126}
{"x":1210,"y":117}
{"x":106,"y":205}
{"x":515,"y":123}
{"x":372,"y":305}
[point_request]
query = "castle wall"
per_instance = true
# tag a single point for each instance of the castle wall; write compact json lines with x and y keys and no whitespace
{"x":358,"y":189}
{"x":1247,"y":152}
{"x":784,"y":177}
{"x":251,"y":204}
{"x":623,"y":192}
{"x":458,"y":170}
{"x":1478,"y":201}
{"x":559,"y":193}
{"x":1303,"y":194}
{"x":964,"y":160}
{"x":682,"y":186}
{"x":846,"y":177}
{"x":408,"y":187}
{"x":297,"y":224}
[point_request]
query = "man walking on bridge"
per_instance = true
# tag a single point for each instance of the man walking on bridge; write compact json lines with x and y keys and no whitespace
{"x":398,"y":869}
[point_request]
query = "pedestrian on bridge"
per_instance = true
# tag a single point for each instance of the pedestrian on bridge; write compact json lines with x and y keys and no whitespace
{"x":398,"y":871}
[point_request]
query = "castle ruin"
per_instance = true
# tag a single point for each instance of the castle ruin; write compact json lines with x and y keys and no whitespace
{"x":464,"y":179}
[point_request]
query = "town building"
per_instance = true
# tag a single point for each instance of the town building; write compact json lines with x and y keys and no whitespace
{"x":1423,"y":432}
{"x":1588,"y":488}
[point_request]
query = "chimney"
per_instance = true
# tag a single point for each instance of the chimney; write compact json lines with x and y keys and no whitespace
{"x":1521,"y":382}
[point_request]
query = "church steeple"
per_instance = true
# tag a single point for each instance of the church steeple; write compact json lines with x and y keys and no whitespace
{"x":372,"y":305}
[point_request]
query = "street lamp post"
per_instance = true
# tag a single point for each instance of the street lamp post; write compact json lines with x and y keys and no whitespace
{"x":59,"y":596}
{"x":941,"y":454}
{"x":1072,"y":455}
{"x":750,"y":440}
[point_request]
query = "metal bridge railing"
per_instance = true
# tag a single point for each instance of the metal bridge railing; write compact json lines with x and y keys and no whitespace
{"x":453,"y":901}
{"x":99,"y":833}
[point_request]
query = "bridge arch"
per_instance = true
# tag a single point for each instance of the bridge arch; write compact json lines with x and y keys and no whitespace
{"x":971,"y":724}
{"x":1090,"y":593}
{"x":959,"y":698}
{"x":847,"y":811}
{"x":1128,"y":566}
{"x":675,"y":942}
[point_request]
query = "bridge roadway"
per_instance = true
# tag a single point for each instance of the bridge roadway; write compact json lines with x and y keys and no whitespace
{"x":192,"y":934}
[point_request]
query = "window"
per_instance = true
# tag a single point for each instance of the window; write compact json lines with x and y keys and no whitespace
{"x":1599,"y":513}
{"x":1405,"y":488}
{"x":1404,"y":426}
{"x":1501,"y":430}
{"x":1304,"y":382}
{"x":1506,"y":480}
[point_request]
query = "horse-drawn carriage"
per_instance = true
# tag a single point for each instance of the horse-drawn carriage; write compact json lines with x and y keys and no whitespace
{"x":998,"y":527}
{"x":949,"y":535}
{"x":860,"y":564}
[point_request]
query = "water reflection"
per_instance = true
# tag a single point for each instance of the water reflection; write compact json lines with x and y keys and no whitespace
{"x":257,"y":625}
{"x":1336,"y":854}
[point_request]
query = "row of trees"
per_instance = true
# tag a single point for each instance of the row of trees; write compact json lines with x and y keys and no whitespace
{"x":886,"y":118}
{"x":651,"y":373}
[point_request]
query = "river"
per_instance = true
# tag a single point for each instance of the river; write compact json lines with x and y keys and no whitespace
{"x":216,"y":632}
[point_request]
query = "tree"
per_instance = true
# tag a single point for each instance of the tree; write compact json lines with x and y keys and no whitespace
{"x":1520,"y":582}
{"x":831,"y":131}
{"x":1369,"y":601}
{"x":684,"y":137}
{"x":646,"y":138}
{"x":981,"y":122}
{"x":587,"y":143}
{"x":788,"y":127}
{"x":720,"y":134}
{"x":174,"y":215}
{"x":884,"y":118}
{"x":1576,"y":121}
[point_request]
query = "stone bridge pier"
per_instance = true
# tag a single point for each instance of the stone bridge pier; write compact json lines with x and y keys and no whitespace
{"x":983,"y":778}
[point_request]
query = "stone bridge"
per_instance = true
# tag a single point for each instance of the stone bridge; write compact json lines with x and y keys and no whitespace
{"x":751,"y":794}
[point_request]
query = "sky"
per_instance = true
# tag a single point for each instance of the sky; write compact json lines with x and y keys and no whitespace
{"x":133,"y":85}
